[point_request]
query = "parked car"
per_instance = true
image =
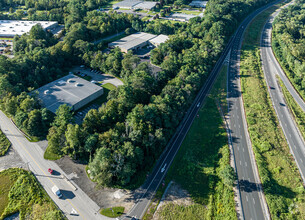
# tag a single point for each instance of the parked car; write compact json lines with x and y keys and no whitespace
{"x":50,"y":171}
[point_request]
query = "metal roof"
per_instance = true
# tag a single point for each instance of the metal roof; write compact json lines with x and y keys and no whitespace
{"x":159,"y":39}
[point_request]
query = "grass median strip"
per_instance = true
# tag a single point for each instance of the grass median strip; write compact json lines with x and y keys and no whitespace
{"x":201,"y":166}
{"x":279,"y":175}
{"x":4,"y":144}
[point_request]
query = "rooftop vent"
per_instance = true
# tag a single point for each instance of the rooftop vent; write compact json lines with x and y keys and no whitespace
{"x":78,"y":84}
{"x":46,"y":92}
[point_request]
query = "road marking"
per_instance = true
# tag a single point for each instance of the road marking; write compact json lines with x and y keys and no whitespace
{"x":40,"y":167}
{"x":247,"y":198}
{"x":253,"y":200}
{"x":237,"y":148}
{"x":240,"y":162}
{"x":245,"y":163}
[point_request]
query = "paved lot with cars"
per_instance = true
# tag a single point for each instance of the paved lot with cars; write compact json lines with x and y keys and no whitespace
{"x":98,"y":76}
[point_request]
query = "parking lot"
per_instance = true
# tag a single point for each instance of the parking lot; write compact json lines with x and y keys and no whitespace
{"x":96,"y":77}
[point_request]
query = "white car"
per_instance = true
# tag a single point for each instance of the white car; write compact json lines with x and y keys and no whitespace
{"x":198,"y":104}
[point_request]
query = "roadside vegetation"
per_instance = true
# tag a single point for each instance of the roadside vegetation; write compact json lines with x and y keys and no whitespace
{"x":296,"y":110}
{"x":21,"y":193}
{"x":113,"y":212}
{"x":281,"y":181}
{"x":288,"y":43}
{"x":123,"y":139}
{"x":4,"y":144}
{"x":202,"y":165}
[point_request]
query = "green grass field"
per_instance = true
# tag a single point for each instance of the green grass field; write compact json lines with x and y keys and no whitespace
{"x":20,"y":192}
{"x":113,"y":212}
{"x":197,"y":166}
{"x":4,"y":144}
{"x":278,"y":172}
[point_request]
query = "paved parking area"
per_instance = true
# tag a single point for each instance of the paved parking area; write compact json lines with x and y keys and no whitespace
{"x":97,"y":76}
{"x":79,"y":116}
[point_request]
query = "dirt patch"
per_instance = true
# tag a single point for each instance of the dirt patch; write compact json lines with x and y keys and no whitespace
{"x":176,"y":195}
{"x":104,"y":197}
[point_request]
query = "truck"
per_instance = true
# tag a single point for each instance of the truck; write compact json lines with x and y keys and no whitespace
{"x":56,"y":191}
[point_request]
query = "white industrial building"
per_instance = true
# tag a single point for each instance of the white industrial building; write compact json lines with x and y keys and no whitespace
{"x":137,"y":41}
{"x":71,"y":90}
{"x":10,"y":28}
{"x":135,"y":4}
{"x":198,"y":4}
{"x":183,"y":17}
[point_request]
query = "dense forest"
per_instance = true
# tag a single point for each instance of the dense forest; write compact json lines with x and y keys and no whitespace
{"x":288,"y":42}
{"x":122,"y":139}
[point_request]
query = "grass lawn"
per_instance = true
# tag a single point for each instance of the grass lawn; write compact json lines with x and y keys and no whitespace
{"x":110,"y":4}
{"x":4,"y":144}
{"x":278,"y":172}
{"x":203,"y":155}
{"x":113,"y":212}
{"x":20,"y":192}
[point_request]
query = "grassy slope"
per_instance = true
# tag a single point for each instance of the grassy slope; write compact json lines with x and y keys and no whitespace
{"x":278,"y":172}
{"x":196,"y":167}
{"x":4,"y":144}
{"x":296,"y":110}
{"x":113,"y":212}
{"x":20,"y":192}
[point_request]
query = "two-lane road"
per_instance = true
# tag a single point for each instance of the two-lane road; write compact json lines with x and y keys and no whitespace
{"x":75,"y":204}
{"x":271,"y":68}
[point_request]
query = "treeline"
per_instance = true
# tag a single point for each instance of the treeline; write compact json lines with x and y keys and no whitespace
{"x":288,"y":42}
{"x":133,"y":143}
{"x":39,"y":59}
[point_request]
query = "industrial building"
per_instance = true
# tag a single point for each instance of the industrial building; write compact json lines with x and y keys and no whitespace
{"x":71,"y":90}
{"x":183,"y":17}
{"x":137,"y":41}
{"x":134,"y":4}
{"x":198,"y":4}
{"x":10,"y":28}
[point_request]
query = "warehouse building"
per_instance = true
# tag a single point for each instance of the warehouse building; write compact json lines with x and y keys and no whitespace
{"x":198,"y":4}
{"x":10,"y":28}
{"x":137,"y":41}
{"x":71,"y":90}
{"x":156,"y":41}
{"x":183,"y":17}
{"x":134,"y":4}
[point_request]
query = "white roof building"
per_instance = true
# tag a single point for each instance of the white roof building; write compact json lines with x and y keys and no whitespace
{"x":135,"y":4}
{"x":159,"y":40}
{"x":10,"y":28}
{"x":198,"y":4}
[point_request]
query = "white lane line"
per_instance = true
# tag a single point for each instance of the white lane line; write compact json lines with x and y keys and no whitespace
{"x":247,"y":198}
{"x":253,"y":200}
{"x":245,"y":163}
{"x":240,"y":162}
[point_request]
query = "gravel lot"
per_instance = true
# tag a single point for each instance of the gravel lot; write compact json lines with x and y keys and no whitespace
{"x":11,"y":159}
{"x":104,"y":197}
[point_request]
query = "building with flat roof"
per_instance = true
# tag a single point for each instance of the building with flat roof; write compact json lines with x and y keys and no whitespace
{"x":71,"y":90}
{"x":198,"y":4}
{"x":132,"y":42}
{"x":135,"y":4}
{"x":10,"y":28}
{"x":183,"y":17}
{"x":156,"y":41}
{"x":137,"y":41}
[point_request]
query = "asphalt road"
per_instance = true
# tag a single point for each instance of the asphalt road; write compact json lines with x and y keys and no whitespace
{"x":251,"y":195}
{"x":271,"y":68}
{"x":74,"y":204}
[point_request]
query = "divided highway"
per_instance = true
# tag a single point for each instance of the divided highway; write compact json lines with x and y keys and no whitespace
{"x":74,"y":204}
{"x":252,"y":198}
{"x":271,"y":68}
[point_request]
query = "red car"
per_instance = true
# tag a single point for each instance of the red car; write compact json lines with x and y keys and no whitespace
{"x":50,"y":171}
